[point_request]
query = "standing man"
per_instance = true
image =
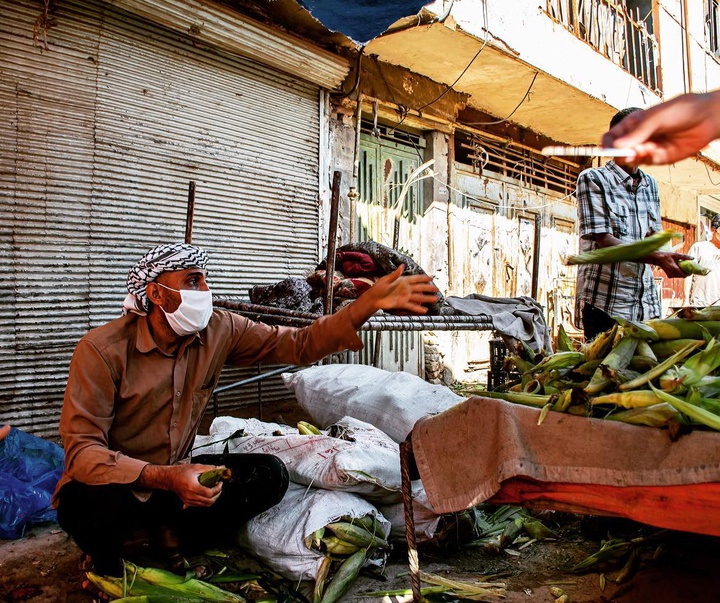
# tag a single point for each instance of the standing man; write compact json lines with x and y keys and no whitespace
{"x":137,"y":390}
{"x":618,"y":203}
{"x":701,"y":291}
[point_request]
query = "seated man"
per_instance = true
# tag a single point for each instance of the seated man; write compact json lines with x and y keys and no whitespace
{"x":137,"y":390}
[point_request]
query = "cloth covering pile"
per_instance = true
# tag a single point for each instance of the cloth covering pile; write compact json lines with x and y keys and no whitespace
{"x":359,"y":265}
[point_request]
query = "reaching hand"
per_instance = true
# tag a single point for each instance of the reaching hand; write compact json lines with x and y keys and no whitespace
{"x":670,"y":131}
{"x":412,"y":293}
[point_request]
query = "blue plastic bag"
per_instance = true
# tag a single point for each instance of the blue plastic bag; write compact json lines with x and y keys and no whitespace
{"x":30,"y":468}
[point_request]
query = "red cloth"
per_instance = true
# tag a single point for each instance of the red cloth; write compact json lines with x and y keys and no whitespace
{"x":356,"y":263}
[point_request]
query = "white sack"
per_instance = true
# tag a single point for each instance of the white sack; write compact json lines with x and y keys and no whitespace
{"x":391,"y":401}
{"x":426,"y":520}
{"x":369,"y":466}
{"x":277,"y":535}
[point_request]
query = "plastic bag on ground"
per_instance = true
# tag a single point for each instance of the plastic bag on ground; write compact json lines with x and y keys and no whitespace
{"x":30,"y":468}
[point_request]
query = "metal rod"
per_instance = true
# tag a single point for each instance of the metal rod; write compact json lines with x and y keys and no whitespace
{"x":536,"y":258}
{"x":413,"y":559}
{"x":190,"y":212}
{"x":254,"y":379}
{"x":332,"y":242}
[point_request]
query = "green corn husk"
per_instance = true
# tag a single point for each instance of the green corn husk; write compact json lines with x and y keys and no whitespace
{"x":181,"y":585}
{"x":344,"y":578}
{"x":696,"y":413}
{"x":559,"y":361}
{"x":335,"y":546}
{"x":642,"y":364}
{"x":645,"y":350}
{"x":637,"y":330}
{"x":306,"y":428}
{"x":665,"y":349}
{"x":661,"y":368}
{"x":678,"y":328}
{"x":357,"y":535}
{"x":711,"y":313}
{"x":701,"y":364}
{"x":624,"y":252}
{"x":535,"y":400}
{"x":537,"y":529}
{"x":210,"y":478}
{"x":118,"y":587}
{"x":157,"y":599}
{"x":563,"y":342}
{"x":600,"y":346}
{"x":657,"y":415}
{"x":618,"y":358}
{"x":692,"y":267}
{"x":321,"y":579}
{"x":633,"y":399}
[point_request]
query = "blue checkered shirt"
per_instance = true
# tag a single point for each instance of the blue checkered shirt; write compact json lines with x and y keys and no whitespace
{"x":607,"y":203}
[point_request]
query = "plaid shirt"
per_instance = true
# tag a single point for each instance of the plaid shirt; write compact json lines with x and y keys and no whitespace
{"x":608,"y":204}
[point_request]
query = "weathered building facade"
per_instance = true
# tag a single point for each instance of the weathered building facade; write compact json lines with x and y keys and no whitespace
{"x":111,"y":108}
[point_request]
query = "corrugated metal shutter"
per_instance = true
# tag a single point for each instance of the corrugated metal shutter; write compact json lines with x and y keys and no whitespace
{"x":100,"y":136}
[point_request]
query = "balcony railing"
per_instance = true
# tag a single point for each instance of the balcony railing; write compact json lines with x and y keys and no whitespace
{"x":622,"y":34}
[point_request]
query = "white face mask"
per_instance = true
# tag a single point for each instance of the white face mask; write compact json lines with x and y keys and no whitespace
{"x":194,"y":312}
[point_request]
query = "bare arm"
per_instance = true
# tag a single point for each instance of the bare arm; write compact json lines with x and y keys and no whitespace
{"x":670,"y":131}
{"x":181,"y":479}
{"x":667,"y":260}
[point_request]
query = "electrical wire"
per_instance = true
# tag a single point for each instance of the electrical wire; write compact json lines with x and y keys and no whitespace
{"x":452,"y":86}
{"x":522,"y":100}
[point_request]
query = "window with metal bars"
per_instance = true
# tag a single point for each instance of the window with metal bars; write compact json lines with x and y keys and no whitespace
{"x":531,"y":168}
{"x":712,"y":27}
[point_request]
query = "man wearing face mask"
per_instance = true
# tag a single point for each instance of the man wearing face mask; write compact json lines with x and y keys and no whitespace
{"x":139,"y":385}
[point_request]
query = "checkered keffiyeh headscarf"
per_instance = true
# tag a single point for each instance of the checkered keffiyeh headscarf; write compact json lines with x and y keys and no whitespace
{"x":163,"y":258}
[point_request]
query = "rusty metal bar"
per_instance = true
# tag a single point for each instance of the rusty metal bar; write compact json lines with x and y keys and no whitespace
{"x":413,"y":559}
{"x":190,"y":212}
{"x":332,"y":242}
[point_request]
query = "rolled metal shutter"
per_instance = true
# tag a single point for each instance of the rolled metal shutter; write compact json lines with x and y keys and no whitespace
{"x":100,"y":135}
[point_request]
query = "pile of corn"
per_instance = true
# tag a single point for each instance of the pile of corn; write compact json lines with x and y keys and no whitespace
{"x":662,"y":373}
{"x":347,"y":545}
{"x":145,"y":584}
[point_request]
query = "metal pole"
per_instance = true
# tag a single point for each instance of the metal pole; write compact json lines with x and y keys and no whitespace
{"x":413,"y":559}
{"x":332,"y":242}
{"x":190,"y":212}
{"x":536,"y":258}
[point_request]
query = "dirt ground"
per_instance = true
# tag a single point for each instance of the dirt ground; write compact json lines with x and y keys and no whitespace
{"x":42,"y":567}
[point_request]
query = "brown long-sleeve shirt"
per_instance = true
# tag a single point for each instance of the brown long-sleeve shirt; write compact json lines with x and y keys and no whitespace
{"x":128,"y":404}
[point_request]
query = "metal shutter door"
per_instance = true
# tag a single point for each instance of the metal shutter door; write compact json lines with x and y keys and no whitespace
{"x":105,"y":130}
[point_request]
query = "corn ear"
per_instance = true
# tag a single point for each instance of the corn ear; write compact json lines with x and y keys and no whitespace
{"x":306,"y":428}
{"x":696,"y":413}
{"x":563,"y":342}
{"x":559,"y":361}
{"x":711,"y":313}
{"x":666,"y":348}
{"x":691,"y":267}
{"x":638,"y":330}
{"x":344,"y":578}
{"x":355,"y":534}
{"x":678,"y":328}
{"x":661,"y":368}
{"x":619,"y":357}
{"x":182,"y":586}
{"x":600,"y":346}
{"x":624,"y":252}
{"x":535,"y":400}
{"x":157,"y":599}
{"x":210,"y":478}
{"x":656,"y":415}
{"x":336,"y":546}
{"x":701,"y":364}
{"x":322,"y":576}
{"x":634,"y":399}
